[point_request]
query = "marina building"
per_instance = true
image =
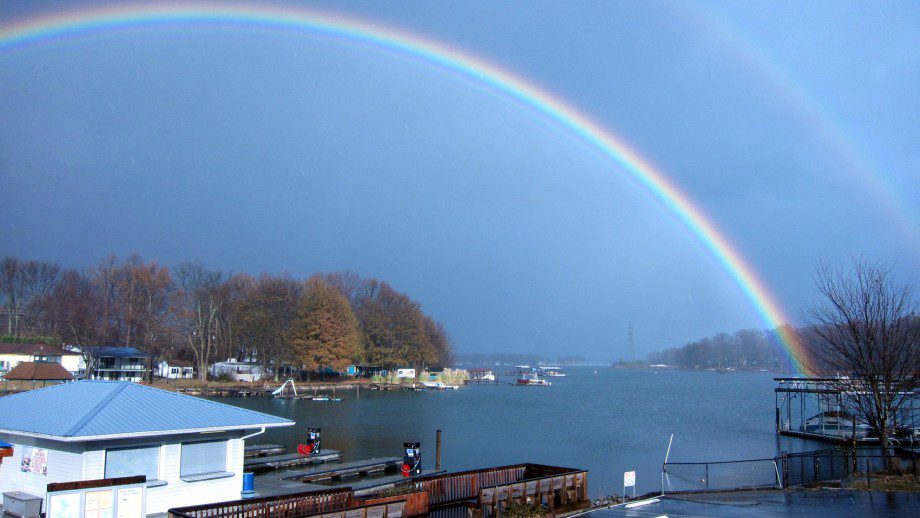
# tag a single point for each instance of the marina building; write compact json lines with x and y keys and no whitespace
{"x":190,"y":449}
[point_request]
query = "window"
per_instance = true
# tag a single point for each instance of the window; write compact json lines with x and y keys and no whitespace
{"x":200,"y":458}
{"x":130,"y":462}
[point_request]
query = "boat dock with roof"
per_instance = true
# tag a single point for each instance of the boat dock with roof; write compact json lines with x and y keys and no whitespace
{"x":820,"y":409}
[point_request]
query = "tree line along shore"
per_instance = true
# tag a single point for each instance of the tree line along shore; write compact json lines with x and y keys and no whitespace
{"x":316,"y":325}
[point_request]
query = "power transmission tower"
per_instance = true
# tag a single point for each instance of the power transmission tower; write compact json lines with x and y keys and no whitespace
{"x":631,"y":343}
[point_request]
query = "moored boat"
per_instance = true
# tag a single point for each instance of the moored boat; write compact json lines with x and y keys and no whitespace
{"x":835,"y":423}
{"x":531,"y":380}
{"x":481,"y":376}
{"x":438,"y":385}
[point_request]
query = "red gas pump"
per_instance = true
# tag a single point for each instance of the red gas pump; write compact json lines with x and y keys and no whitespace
{"x":412,"y":459}
{"x":312,"y":446}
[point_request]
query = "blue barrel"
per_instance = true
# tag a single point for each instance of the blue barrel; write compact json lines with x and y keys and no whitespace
{"x":249,"y":484}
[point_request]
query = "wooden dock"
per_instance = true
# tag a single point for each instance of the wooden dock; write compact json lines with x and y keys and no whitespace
{"x":479,"y":492}
{"x":289,"y":460}
{"x":346,"y":469}
{"x":261,"y":450}
{"x":275,"y":483}
{"x":308,"y":390}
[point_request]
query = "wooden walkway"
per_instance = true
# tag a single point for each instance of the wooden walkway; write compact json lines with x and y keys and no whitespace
{"x":274,"y":484}
{"x":261,"y":450}
{"x":289,"y":460}
{"x":345,"y":469}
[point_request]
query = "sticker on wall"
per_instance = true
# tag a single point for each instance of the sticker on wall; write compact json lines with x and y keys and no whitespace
{"x":34,"y":460}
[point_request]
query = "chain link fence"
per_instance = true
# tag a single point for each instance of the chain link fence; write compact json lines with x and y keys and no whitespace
{"x":788,"y":469}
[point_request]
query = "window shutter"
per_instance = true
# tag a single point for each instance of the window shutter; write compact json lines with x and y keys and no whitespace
{"x":130,"y":462}
{"x":203,"y":457}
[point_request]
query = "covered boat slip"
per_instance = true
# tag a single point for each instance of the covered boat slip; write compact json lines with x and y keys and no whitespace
{"x":819,"y":409}
{"x":478,"y":492}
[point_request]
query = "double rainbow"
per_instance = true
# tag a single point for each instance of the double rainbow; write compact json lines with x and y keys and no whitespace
{"x":430,"y":52}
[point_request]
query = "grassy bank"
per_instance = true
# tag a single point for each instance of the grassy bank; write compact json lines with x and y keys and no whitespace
{"x":877,"y":482}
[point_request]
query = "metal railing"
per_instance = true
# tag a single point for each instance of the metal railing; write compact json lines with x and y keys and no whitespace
{"x":486,"y":489}
{"x":721,"y":475}
{"x":301,"y":504}
{"x":837,"y":464}
{"x":788,"y":469}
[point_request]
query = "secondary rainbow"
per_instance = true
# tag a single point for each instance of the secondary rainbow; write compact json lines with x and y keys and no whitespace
{"x":817,"y":117}
{"x":19,"y":33}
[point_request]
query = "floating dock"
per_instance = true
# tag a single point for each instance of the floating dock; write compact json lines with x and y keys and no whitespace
{"x":261,"y":450}
{"x":289,"y":482}
{"x":289,"y":460}
{"x":357,"y":468}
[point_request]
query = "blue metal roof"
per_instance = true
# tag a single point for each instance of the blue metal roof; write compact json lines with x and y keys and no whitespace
{"x":117,"y":352}
{"x":91,"y":409}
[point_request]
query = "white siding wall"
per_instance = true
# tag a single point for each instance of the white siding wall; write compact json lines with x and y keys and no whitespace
{"x":68,"y":462}
{"x":93,"y":464}
{"x":71,"y":362}
{"x":12,"y":360}
{"x":65,"y":463}
{"x":178,"y":493}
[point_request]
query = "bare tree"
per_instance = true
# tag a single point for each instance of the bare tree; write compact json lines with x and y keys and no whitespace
{"x":263,"y":320}
{"x":21,"y":284}
{"x":200,"y":310}
{"x":867,"y":334}
{"x":104,"y":275}
{"x":76,"y":305}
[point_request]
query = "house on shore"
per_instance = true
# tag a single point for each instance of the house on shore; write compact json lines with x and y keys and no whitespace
{"x":176,"y":369}
{"x":366,"y":371}
{"x":237,"y":370}
{"x":35,"y":372}
{"x":190,"y":449}
{"x":117,"y":363}
{"x":12,"y":355}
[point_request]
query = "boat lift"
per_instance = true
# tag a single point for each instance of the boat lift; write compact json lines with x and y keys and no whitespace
{"x":824,"y":412}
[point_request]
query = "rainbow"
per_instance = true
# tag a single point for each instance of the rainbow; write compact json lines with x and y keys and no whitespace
{"x":816,"y":117}
{"x":433,"y":53}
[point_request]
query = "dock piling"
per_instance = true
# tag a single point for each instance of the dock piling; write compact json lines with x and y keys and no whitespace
{"x":437,"y":452}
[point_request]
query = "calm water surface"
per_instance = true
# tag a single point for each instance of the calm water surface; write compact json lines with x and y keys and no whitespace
{"x":609,"y":422}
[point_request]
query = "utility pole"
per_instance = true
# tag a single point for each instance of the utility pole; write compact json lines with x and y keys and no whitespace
{"x":631,"y":343}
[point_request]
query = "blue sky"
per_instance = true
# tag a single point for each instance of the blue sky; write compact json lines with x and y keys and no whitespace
{"x":260,"y":151}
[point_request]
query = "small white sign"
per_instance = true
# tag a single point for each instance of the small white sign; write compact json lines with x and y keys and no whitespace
{"x":131,"y":502}
{"x":629,"y":479}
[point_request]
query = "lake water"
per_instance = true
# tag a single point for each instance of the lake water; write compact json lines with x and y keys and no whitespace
{"x":609,"y":422}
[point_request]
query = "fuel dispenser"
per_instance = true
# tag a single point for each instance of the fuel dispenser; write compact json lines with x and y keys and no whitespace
{"x":412,"y":459}
{"x":313,"y":444}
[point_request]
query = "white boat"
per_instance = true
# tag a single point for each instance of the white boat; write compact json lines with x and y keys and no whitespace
{"x":555,"y":372}
{"x":437,"y":385}
{"x":835,"y":423}
{"x":481,"y":375}
{"x":531,"y":380}
{"x":323,"y":398}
